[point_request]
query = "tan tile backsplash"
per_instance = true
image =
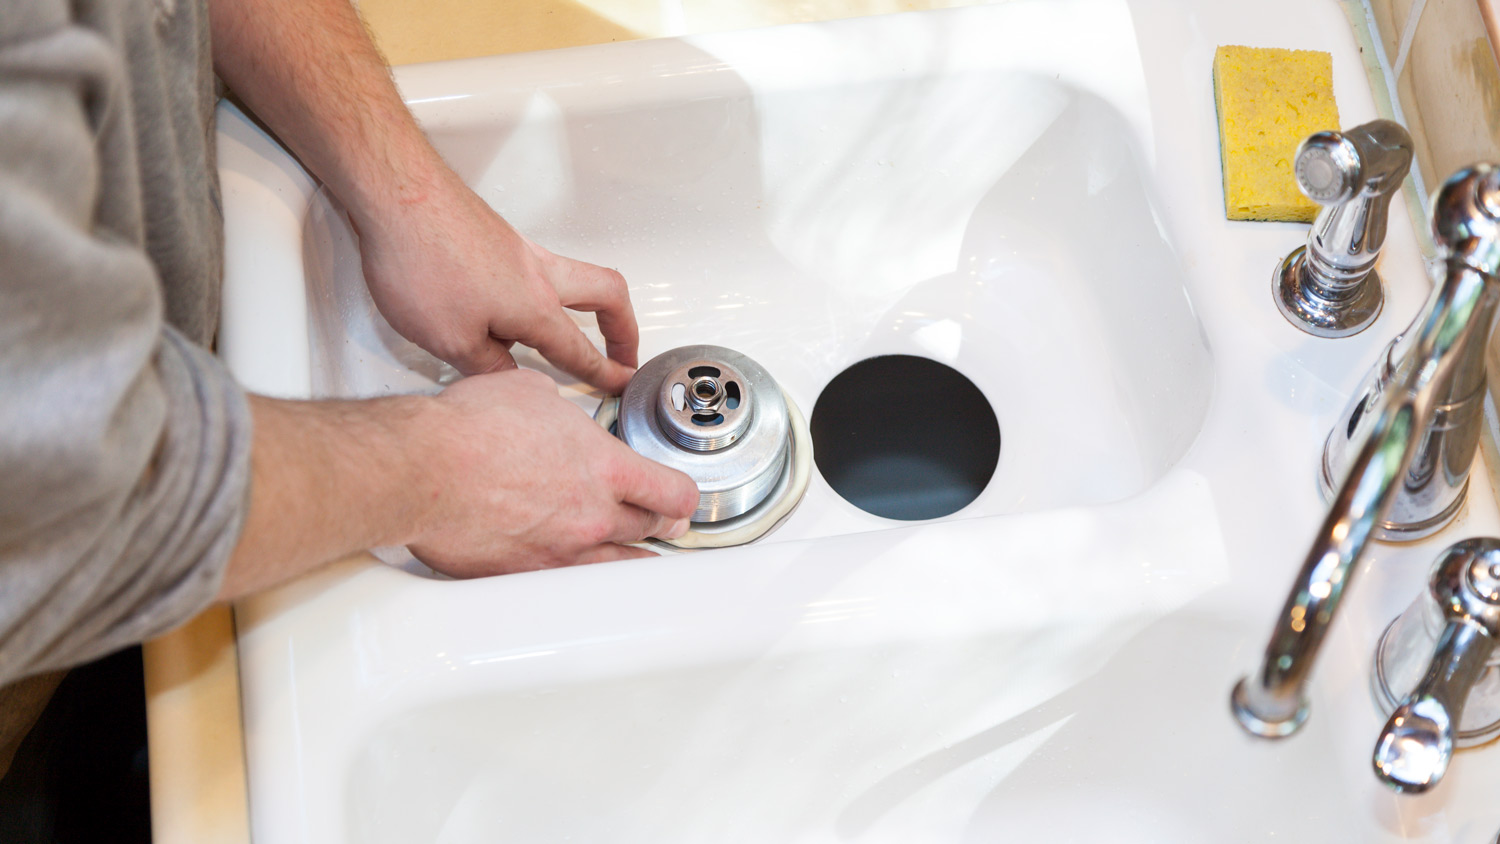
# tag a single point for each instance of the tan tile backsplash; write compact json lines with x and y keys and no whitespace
{"x":1390,"y":19}
{"x":1453,"y":85}
{"x":1448,"y":79}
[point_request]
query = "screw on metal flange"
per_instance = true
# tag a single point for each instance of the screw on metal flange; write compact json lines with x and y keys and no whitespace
{"x":706,"y":395}
{"x":704,"y":405}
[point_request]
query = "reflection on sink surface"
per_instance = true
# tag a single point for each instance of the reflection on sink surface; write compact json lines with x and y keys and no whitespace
{"x":1027,"y":192}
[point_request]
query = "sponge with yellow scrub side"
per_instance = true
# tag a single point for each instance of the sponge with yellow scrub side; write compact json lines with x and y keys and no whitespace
{"x":1269,"y":100}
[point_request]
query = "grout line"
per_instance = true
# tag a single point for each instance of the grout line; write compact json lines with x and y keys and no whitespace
{"x":1377,"y":44}
{"x":1397,"y":114}
{"x":1408,"y":34}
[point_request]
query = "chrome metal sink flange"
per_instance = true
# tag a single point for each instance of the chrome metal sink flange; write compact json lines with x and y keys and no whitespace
{"x":716,"y":415}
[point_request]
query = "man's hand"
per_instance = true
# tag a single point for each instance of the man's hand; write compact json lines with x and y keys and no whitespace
{"x":526,"y":481}
{"x":444,"y":269}
{"x":496,"y":474}
{"x":453,"y":277}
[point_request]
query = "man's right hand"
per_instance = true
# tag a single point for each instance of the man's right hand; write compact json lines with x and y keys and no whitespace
{"x":496,"y":474}
{"x":521,"y":479}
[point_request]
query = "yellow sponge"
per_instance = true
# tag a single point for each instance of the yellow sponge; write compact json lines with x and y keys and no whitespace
{"x":1269,"y":99}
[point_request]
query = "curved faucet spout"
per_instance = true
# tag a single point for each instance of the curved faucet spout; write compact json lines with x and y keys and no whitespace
{"x":1410,"y":434}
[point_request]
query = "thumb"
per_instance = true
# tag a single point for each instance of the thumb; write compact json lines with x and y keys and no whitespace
{"x":493,"y":356}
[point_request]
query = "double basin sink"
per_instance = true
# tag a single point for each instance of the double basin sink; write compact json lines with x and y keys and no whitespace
{"x":1026,"y":192}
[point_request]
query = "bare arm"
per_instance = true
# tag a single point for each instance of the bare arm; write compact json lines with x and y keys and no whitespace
{"x":496,"y":474}
{"x":310,"y":72}
{"x":444,"y":269}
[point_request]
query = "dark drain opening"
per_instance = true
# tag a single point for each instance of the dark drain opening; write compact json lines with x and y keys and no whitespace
{"x":905,"y":437}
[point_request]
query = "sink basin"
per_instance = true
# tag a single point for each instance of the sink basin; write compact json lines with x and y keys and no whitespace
{"x":825,"y":708}
{"x":1027,"y":192}
{"x":994,"y":219}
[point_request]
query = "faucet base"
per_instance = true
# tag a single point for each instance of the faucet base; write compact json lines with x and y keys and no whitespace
{"x":1239,"y":704}
{"x":1389,"y":531}
{"x":1299,"y":301}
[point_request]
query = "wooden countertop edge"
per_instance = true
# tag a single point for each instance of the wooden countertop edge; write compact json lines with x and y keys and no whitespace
{"x":195,"y":734}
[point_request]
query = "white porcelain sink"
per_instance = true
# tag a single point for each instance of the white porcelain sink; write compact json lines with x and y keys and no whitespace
{"x":1027,"y":192}
{"x":992,"y":218}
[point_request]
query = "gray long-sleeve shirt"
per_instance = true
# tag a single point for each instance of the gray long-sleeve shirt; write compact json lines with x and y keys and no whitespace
{"x":124,"y":445}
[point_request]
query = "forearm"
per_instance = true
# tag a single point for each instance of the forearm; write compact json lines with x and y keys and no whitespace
{"x":442,"y":266}
{"x":496,"y":474}
{"x":328,"y":479}
{"x":308,"y":69}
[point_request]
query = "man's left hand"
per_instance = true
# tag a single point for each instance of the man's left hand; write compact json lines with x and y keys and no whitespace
{"x":452,"y":276}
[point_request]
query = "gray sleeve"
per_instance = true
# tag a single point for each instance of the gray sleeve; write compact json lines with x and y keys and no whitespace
{"x":124,"y":448}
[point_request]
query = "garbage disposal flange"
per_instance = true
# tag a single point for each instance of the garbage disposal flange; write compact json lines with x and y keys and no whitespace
{"x":717,"y":416}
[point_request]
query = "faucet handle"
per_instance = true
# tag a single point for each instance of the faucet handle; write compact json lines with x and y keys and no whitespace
{"x":1466,"y":217}
{"x":1329,"y":287}
{"x":1417,"y":743}
{"x":1414,"y":749}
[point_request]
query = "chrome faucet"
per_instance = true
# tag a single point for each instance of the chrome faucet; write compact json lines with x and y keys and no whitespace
{"x":1329,"y":287}
{"x":1435,"y":669}
{"x":1403,"y":446}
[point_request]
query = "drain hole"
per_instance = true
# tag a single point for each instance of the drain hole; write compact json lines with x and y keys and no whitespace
{"x":905,"y":437}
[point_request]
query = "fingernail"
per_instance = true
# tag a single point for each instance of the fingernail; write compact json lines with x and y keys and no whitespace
{"x":677,"y":529}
